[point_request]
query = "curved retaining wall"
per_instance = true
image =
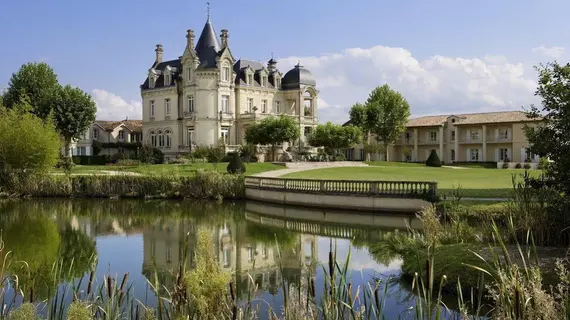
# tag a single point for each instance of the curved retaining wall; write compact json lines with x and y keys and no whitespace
{"x":375,"y":196}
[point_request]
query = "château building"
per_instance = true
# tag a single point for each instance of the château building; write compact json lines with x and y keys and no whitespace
{"x":206,"y":96}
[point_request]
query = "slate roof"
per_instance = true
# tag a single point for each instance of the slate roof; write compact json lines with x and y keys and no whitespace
{"x":160,"y":67}
{"x":133,"y":125}
{"x":296,"y":77}
{"x":208,"y":46}
{"x":241,"y":65}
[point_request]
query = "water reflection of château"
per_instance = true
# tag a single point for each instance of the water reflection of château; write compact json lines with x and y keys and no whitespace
{"x":236,"y":251}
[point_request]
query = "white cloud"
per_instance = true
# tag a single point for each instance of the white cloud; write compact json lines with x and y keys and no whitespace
{"x":551,"y":52}
{"x":438,"y":84}
{"x":112,"y":107}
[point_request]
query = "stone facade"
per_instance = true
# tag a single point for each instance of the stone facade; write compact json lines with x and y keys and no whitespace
{"x":476,"y":137}
{"x":110,"y":134}
{"x":206,"y":96}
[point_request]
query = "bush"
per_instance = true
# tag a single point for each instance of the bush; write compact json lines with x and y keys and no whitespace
{"x":216,"y":154}
{"x":505,"y":165}
{"x":128,"y":162}
{"x":518,"y":166}
{"x":99,"y":160}
{"x":543,"y":163}
{"x":115,"y":158}
{"x":433,"y":160}
{"x":236,"y":165}
{"x":26,"y":141}
{"x":527,"y":166}
{"x":151,"y":155}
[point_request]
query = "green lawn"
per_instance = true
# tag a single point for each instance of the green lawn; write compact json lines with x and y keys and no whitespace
{"x":474,"y":182}
{"x":175,"y":169}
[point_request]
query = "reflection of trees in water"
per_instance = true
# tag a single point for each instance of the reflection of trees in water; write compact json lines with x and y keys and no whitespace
{"x":77,"y":253}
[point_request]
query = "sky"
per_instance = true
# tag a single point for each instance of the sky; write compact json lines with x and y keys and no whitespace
{"x":444,"y":56}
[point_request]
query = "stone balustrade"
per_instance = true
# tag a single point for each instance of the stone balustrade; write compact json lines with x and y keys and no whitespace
{"x":391,"y":189}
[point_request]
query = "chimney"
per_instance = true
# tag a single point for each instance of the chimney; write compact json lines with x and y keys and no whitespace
{"x":190,"y":38}
{"x":158,"y":51}
{"x":224,"y":38}
{"x":272,"y":65}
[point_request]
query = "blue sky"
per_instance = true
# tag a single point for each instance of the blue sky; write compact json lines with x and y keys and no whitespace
{"x":444,"y":56}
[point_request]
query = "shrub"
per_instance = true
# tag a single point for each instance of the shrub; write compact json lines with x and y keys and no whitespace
{"x":433,"y":160}
{"x":115,"y":158}
{"x":505,"y":165}
{"x":128,"y":162}
{"x":543,"y":163}
{"x":151,"y":155}
{"x":236,"y":166}
{"x":216,"y":154}
{"x":180,"y":160}
{"x":200,"y":152}
{"x":248,"y":152}
{"x":527,"y":166}
{"x":26,"y":311}
{"x":79,"y":311}
{"x":100,"y":160}
{"x":518,"y":166}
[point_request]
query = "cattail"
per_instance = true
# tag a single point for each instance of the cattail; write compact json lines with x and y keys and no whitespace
{"x":377,"y":297}
{"x":312,"y":288}
{"x":232,"y":293}
{"x":428,"y":275}
{"x":124,"y":282}
{"x":137,"y":312}
{"x":90,"y":285}
{"x":32,"y":295}
{"x":350,"y":292}
{"x":109,"y":287}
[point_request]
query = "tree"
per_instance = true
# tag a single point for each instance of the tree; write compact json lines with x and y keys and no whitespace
{"x":38,"y":82}
{"x":550,"y":138}
{"x":392,"y":112}
{"x":73,"y":111}
{"x":334,"y":137}
{"x":235,"y":166}
{"x":26,"y":142}
{"x":365,"y":118}
{"x":272,"y":131}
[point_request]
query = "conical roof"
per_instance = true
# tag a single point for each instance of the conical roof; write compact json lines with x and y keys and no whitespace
{"x":208,"y":46}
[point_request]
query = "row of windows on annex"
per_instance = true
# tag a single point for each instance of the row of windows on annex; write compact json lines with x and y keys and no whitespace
{"x":472,"y":135}
{"x":191,"y":136}
{"x":262,"y":78}
{"x":161,"y":138}
{"x":122,"y":136}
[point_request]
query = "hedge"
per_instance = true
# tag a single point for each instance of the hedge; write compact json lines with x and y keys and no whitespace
{"x":91,"y":160}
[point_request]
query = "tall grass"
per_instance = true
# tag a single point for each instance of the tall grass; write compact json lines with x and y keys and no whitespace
{"x":201,"y":184}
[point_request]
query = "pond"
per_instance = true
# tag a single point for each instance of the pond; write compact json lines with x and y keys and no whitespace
{"x":141,"y":237}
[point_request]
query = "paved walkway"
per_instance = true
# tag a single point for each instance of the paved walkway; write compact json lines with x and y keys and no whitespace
{"x":304,"y":166}
{"x":100,"y":173}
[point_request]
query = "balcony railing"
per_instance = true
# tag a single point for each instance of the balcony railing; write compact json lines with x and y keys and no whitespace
{"x":494,"y":139}
{"x":471,"y":140}
{"x":428,"y":141}
{"x":189,"y":114}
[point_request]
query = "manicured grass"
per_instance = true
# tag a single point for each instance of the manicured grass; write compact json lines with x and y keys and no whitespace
{"x":174,"y":169}
{"x":474,"y":182}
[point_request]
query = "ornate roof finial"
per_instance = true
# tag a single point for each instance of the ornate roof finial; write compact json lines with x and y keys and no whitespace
{"x":271,"y":55}
{"x":208,"y":9}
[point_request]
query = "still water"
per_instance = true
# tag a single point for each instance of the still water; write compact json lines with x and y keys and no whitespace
{"x":138,"y":237}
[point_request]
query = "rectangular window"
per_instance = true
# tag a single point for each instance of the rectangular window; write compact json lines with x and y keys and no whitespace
{"x":278,"y":106}
{"x":453,"y":135}
{"x":264,"y":106}
{"x":121,"y":135}
{"x":503,"y":134}
{"x":474,"y":135}
{"x":225,"y":102}
{"x":82,"y":151}
{"x":189,"y":74}
{"x":453,"y":154}
{"x":168,"y":254}
{"x":226,"y":254}
{"x":278,"y":83}
{"x":226,"y":74}
{"x":503,"y":154}
{"x":152,"y":108}
{"x":190,"y":137}
{"x":167,"y":106}
{"x":474,"y":154}
{"x":151,"y":82}
{"x":408,"y":158}
{"x":166,"y":80}
{"x":264,"y":81}
{"x":361,"y":154}
{"x":190,"y":103}
{"x":250,"y":254}
{"x":307,"y":131}
{"x":249,"y":105}
{"x":433,"y":136}
{"x":250,"y":79}
{"x":95,"y":134}
{"x":408,"y":137}
{"x":225,"y":135}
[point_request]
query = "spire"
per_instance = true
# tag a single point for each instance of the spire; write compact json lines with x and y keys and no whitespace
{"x":208,"y":8}
{"x":208,"y":45}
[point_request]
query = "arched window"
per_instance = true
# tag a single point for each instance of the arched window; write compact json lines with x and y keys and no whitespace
{"x":168,"y":138}
{"x":152,"y":138}
{"x":160,"y":139}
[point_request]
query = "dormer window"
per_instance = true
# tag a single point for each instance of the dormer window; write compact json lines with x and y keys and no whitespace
{"x":250,"y":79}
{"x":166,"y":79}
{"x":151,"y":81}
{"x":121,"y":135}
{"x":278,"y":83}
{"x":264,"y":81}
{"x":189,"y":74}
{"x":226,"y":74}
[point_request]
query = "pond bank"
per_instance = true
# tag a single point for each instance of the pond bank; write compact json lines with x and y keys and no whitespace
{"x":200,"y":185}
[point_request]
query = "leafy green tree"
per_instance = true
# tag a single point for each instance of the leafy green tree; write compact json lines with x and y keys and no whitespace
{"x":273,"y":131}
{"x":26,"y":142}
{"x":73,"y":111}
{"x":334,"y":137}
{"x":365,"y":118}
{"x":550,"y":138}
{"x":38,"y":82}
{"x":391,"y":112}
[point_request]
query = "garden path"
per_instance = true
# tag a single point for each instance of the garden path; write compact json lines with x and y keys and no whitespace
{"x":303,"y":166}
